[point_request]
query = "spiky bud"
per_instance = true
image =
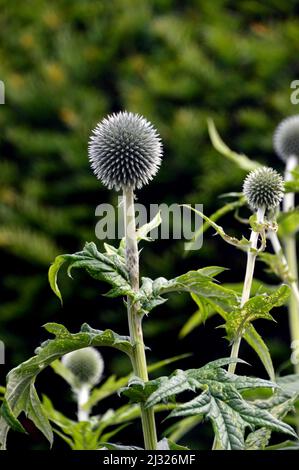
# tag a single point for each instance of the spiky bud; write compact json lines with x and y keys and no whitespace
{"x":125,"y":151}
{"x":263,"y":187}
{"x":286,"y":137}
{"x":86,"y":365}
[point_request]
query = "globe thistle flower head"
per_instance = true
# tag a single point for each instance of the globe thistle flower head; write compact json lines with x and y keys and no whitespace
{"x":286,"y":137}
{"x":125,"y":151}
{"x":86,"y":365}
{"x":263,"y":187}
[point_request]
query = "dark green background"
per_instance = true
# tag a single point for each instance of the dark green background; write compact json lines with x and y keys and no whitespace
{"x":67,"y":64}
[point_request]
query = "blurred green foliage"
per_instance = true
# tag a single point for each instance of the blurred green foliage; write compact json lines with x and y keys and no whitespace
{"x":67,"y":64}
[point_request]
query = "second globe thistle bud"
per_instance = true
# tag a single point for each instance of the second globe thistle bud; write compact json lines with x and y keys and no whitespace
{"x":263,"y":188}
{"x":286,"y":138}
{"x":125,"y":151}
{"x":86,"y":365}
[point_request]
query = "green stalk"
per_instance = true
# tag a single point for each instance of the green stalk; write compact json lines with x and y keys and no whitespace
{"x":294,"y":299}
{"x":289,"y":242}
{"x":135,"y":319}
{"x":82,"y":399}
{"x":251,"y":257}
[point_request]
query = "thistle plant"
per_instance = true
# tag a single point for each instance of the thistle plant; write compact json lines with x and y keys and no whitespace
{"x":286,"y":145}
{"x":125,"y":153}
{"x":86,"y":366}
{"x":263,"y":189}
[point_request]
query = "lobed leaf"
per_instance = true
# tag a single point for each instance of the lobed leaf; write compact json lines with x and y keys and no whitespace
{"x":108,"y":267}
{"x":224,"y":307}
{"x":220,"y":401}
{"x":257,"y":307}
{"x":20,"y":393}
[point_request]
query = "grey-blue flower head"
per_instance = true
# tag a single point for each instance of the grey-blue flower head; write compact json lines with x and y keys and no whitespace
{"x":125,"y":151}
{"x":286,"y":137}
{"x":263,"y":187}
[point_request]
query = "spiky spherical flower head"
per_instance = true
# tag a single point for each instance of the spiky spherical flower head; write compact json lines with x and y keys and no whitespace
{"x":286,"y":137}
{"x":263,"y":187}
{"x":125,"y":151}
{"x":86,"y":365}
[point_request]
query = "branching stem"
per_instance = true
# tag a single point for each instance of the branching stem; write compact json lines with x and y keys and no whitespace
{"x":251,"y":257}
{"x":135,"y":318}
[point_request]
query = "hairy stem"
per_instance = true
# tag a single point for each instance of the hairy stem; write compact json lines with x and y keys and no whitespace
{"x":135,"y":319}
{"x":289,"y":242}
{"x":251,"y":257}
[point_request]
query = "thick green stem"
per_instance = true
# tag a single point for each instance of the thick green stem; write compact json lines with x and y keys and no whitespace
{"x":251,"y":257}
{"x":135,"y":319}
{"x":289,"y":242}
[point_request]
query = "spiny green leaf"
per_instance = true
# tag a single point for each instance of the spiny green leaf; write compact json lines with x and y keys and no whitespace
{"x":230,"y":415}
{"x":278,"y":405}
{"x":220,"y":401}
{"x":193,"y":379}
{"x":138,"y":391}
{"x":224,"y":307}
{"x":108,"y":267}
{"x":198,"y":283}
{"x":20,"y":392}
{"x":255,"y":308}
{"x":206,"y":309}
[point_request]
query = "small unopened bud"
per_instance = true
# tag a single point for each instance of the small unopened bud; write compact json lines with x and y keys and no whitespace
{"x":86,"y":365}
